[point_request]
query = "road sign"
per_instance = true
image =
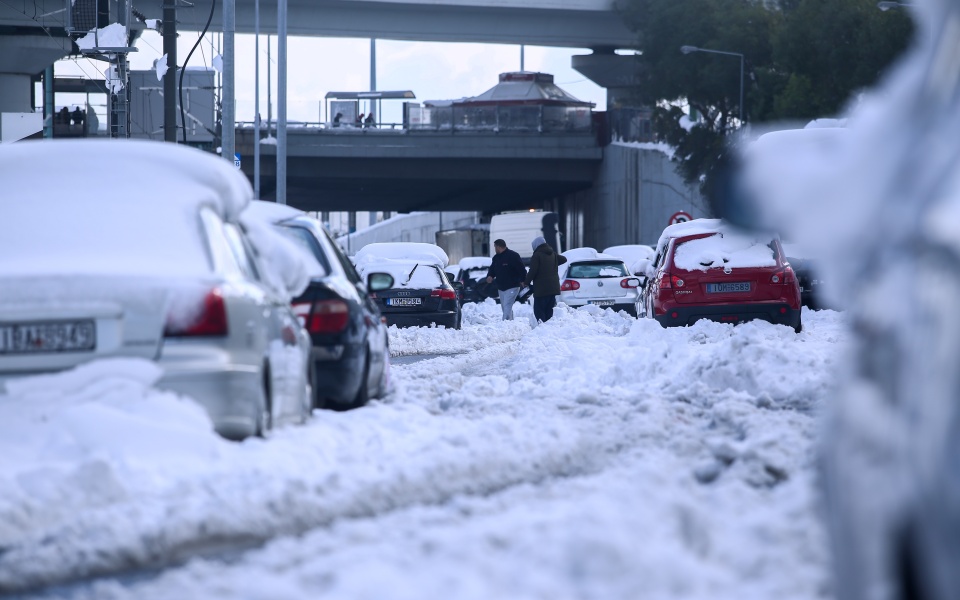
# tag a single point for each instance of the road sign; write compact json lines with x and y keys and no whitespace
{"x":236,"y":160}
{"x":680,"y":217}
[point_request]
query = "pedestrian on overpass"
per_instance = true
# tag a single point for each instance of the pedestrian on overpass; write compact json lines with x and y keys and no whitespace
{"x":508,"y":271}
{"x":544,"y":277}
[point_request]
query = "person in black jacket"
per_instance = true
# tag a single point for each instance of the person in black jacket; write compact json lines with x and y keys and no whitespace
{"x":508,"y":271}
{"x":544,"y":278}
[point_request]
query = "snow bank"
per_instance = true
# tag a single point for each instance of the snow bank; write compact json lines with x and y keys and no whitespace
{"x":593,"y":456}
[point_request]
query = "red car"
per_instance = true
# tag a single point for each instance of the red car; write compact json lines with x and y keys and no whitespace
{"x":705,"y":269}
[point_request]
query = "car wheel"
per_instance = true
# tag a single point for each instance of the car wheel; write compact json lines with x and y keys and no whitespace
{"x":265,"y":417}
{"x":799,"y":326}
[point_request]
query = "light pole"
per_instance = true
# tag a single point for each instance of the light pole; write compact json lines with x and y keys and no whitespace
{"x":885,"y":6}
{"x":689,"y":49}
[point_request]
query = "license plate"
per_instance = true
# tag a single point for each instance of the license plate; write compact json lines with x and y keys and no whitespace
{"x":48,"y":336}
{"x":601,"y":302}
{"x":403,"y":301}
{"x":720,"y":288}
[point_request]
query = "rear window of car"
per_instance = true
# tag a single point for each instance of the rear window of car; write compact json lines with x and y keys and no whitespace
{"x":424,"y":277}
{"x":728,"y":250}
{"x":597,"y":269}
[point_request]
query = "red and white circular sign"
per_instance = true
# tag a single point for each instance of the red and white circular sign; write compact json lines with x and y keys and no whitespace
{"x":680,"y":217}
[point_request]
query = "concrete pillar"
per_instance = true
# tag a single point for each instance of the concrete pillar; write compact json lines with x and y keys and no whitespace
{"x":21,"y":57}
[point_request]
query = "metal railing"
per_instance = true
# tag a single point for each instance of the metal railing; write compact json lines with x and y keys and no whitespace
{"x":500,"y":118}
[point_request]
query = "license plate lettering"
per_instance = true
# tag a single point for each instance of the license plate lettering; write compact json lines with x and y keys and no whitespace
{"x":720,"y":288}
{"x":48,"y":336}
{"x":403,"y":301}
{"x":601,"y":302}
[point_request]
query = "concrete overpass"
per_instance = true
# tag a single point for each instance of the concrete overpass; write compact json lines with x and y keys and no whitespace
{"x":403,"y":171}
{"x":565,"y":23}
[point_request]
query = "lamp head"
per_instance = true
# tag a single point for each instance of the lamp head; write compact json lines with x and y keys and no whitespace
{"x":689,"y":49}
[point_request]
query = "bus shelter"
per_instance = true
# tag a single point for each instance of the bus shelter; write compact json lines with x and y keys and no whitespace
{"x":348,"y":105}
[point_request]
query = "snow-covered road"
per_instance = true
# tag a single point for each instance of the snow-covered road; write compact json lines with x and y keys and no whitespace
{"x":594,"y":456}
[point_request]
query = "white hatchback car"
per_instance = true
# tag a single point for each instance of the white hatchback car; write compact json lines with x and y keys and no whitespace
{"x":590,"y":277}
{"x":134,"y":249}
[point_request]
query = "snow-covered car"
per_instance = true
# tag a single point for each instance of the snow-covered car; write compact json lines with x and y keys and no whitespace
{"x":591,"y":277}
{"x":471,"y":273}
{"x":350,"y":359}
{"x":635,"y":256}
{"x":706,"y":269}
{"x":420,"y":295}
{"x":136,"y":249}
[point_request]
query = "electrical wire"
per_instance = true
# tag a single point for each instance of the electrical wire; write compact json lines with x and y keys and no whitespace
{"x":183,"y":69}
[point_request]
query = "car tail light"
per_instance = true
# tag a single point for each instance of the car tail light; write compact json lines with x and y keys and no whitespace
{"x":785,"y":276}
{"x":665,"y":281}
{"x":676,"y":281}
{"x":327,"y":316}
{"x":569,"y":285}
{"x":444,"y":294}
{"x":211,"y":321}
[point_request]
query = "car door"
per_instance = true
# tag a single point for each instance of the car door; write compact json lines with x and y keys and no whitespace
{"x":378,"y":342}
{"x":285,"y":345}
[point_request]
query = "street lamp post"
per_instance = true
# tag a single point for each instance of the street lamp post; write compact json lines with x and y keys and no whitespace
{"x":689,"y":49}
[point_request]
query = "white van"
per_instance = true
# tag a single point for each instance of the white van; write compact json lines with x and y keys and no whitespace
{"x":518,"y":229}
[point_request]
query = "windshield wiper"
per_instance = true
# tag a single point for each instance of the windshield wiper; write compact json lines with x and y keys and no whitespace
{"x":411,"y":273}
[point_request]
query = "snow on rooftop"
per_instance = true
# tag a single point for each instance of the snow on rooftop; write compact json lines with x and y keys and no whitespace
{"x":113,"y":35}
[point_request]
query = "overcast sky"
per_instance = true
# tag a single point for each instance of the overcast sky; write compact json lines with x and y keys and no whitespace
{"x":432,"y":70}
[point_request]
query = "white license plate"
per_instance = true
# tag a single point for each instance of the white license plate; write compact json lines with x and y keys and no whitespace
{"x":403,"y":301}
{"x":720,"y":288}
{"x":601,"y":302}
{"x":48,"y":336}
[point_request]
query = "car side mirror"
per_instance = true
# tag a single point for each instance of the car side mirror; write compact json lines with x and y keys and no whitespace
{"x":633,"y":282}
{"x":377,"y":282}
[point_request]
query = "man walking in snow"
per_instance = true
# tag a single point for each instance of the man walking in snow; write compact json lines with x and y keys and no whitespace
{"x":545,"y":279}
{"x":508,"y":271}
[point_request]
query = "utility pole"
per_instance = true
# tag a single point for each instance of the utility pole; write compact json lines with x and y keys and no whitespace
{"x":256,"y":99}
{"x":229,"y":126}
{"x":170,"y":77}
{"x":282,"y":101}
{"x":373,"y":76}
{"x":269,"y":89}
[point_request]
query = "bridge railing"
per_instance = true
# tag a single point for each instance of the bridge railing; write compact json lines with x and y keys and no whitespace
{"x":500,"y":118}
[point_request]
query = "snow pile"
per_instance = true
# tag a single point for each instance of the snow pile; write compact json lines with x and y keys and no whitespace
{"x":113,"y":35}
{"x":286,"y":266}
{"x":593,"y":456}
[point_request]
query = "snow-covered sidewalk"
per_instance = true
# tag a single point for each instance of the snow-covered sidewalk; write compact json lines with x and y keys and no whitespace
{"x":594,"y":456}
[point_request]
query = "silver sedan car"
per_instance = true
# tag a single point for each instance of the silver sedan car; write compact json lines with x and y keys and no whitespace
{"x":134,"y":249}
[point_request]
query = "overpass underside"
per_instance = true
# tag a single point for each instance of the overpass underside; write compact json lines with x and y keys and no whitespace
{"x":435,"y":172}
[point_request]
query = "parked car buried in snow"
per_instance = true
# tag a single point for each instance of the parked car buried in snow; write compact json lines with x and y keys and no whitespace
{"x":592,"y":278}
{"x":705,"y":269}
{"x":350,"y":358}
{"x":421,"y":295}
{"x":149,"y":267}
{"x":471,"y":273}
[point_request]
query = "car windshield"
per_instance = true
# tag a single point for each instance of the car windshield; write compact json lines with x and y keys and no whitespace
{"x":727,"y":250}
{"x":597,"y":269}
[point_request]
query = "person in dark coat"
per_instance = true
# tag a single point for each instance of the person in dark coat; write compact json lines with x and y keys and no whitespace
{"x":508,"y":271}
{"x":544,"y":278}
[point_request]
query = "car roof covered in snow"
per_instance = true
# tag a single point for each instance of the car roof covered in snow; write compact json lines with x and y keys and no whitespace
{"x":271,"y":211}
{"x":582,"y":254}
{"x":413,"y":251}
{"x":98,"y":173}
{"x":475,"y":262}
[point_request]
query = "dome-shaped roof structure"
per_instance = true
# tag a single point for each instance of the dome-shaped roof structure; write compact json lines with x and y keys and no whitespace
{"x":524,"y":88}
